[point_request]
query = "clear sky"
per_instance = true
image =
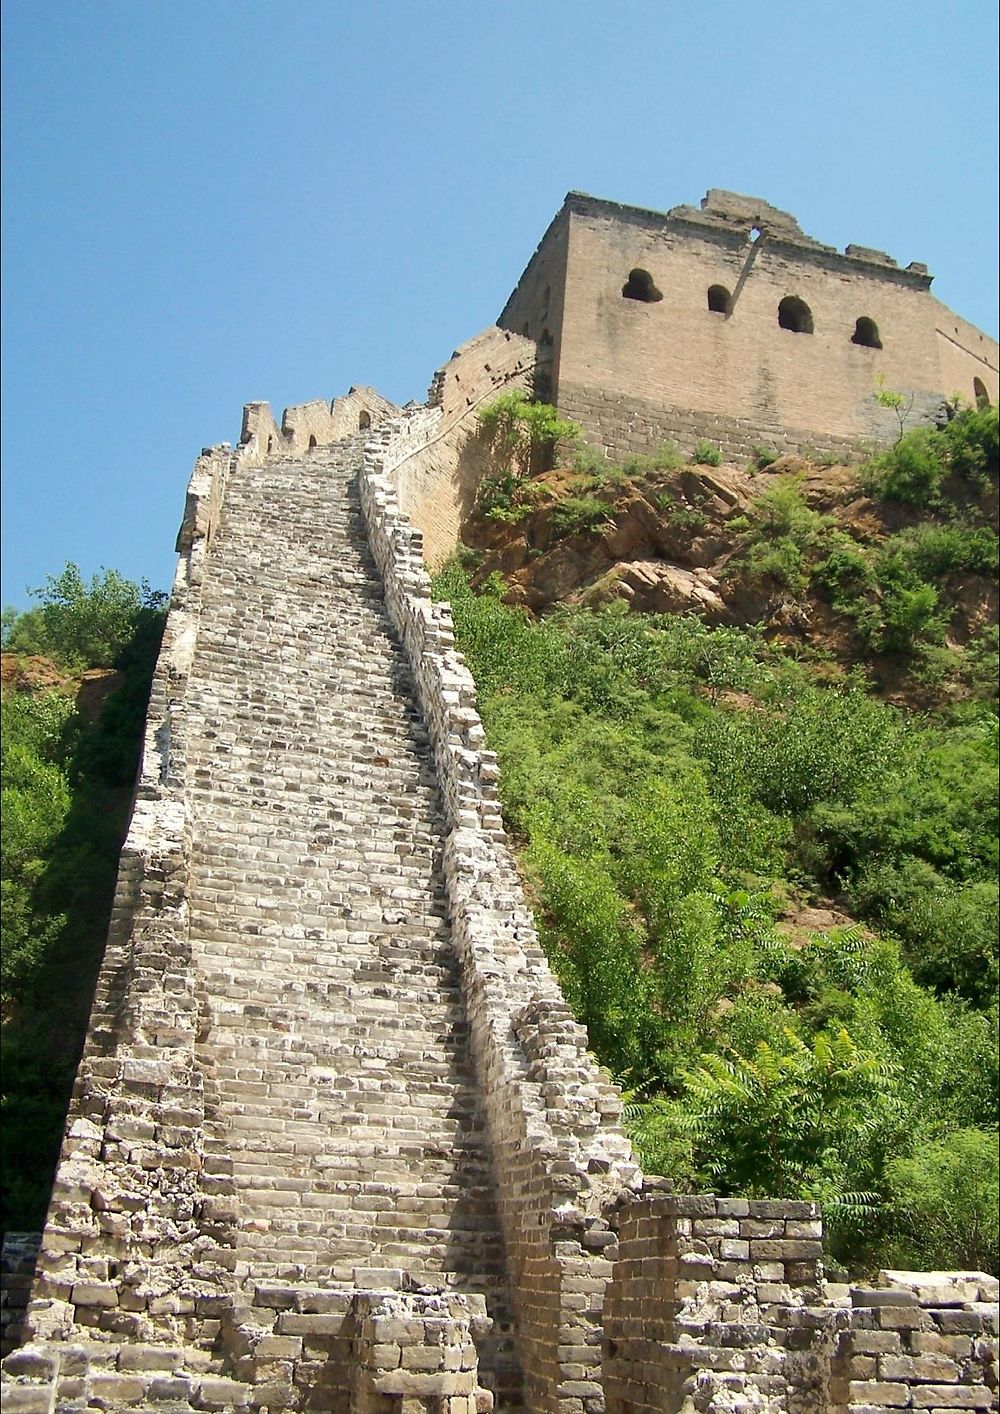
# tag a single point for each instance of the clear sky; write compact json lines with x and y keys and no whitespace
{"x":214,"y":201}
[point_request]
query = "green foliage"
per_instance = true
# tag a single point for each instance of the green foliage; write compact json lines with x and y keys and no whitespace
{"x":36,"y":738}
{"x":784,"y":1119}
{"x":505,"y":496}
{"x":591,"y":461}
{"x":763,"y":457}
{"x":83,"y":625}
{"x":894,"y":401}
{"x":678,"y":513}
{"x":917,"y":469}
{"x":650,"y":465}
{"x":897,"y":593}
{"x":946,"y":1199}
{"x":578,"y":515}
{"x":468,"y":556}
{"x":517,"y":427}
{"x":784,"y":537}
{"x":66,"y":790}
{"x":661,"y":827}
{"x":706,"y":453}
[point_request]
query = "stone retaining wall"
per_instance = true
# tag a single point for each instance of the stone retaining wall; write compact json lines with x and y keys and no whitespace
{"x":17,"y":1269}
{"x":624,"y":424}
{"x":437,"y":474}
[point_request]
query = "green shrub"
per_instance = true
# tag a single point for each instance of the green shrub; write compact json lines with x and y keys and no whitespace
{"x":468,"y":556}
{"x":590,"y":461}
{"x":916,"y":469}
{"x":847,"y":572}
{"x":764,"y":457}
{"x":677,"y":513}
{"x":912,"y":471}
{"x":970,"y":440}
{"x":706,"y":454}
{"x":781,"y":560}
{"x":784,"y":537}
{"x":665,"y":458}
{"x":578,"y":515}
{"x":518,"y":428}
{"x":905,"y":616}
{"x":84,"y":625}
{"x":933,"y":551}
{"x":946,"y":1201}
{"x":504,"y":496}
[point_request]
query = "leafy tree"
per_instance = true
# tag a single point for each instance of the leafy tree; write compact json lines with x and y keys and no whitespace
{"x":84,"y":625}
{"x":947,"y":1201}
{"x":662,"y":829}
{"x":66,"y":790}
{"x":519,"y":429}
{"x":795,"y":1118}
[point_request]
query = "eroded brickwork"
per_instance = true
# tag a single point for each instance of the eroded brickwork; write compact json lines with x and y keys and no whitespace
{"x":661,"y":363}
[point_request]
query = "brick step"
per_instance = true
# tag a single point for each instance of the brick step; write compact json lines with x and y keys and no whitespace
{"x":345,"y":1129}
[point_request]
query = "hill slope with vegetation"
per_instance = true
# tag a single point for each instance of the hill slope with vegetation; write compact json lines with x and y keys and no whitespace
{"x":766,"y":881}
{"x":76,"y":675}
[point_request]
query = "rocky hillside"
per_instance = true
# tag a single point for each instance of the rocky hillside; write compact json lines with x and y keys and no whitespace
{"x":829,"y":560}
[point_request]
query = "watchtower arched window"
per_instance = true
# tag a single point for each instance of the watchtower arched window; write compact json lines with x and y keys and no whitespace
{"x":866,"y":333}
{"x":981,"y":395}
{"x":795,"y":314}
{"x":639,"y":285}
{"x":364,"y":421}
{"x":312,"y":441}
{"x":719,"y":299}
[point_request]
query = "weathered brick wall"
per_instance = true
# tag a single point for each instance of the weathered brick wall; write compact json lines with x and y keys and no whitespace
{"x":559,"y":1152}
{"x":965,"y":355}
{"x":621,"y":424}
{"x":17,"y":1270}
{"x":122,"y":1233}
{"x":682,"y":370}
{"x":918,"y":1340}
{"x":698,"y":1300}
{"x":718,"y":1304}
{"x":318,"y":424}
{"x":445,"y":457}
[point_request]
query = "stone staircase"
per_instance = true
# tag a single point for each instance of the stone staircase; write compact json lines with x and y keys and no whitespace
{"x":343,"y":1137}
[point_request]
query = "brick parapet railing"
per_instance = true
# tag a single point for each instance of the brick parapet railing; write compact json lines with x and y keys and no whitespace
{"x":123,"y":1234}
{"x":721,"y":1302}
{"x":554,"y":1119}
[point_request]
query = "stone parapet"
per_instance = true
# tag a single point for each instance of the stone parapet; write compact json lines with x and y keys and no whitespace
{"x":719,"y":1304}
{"x":123,"y":1253}
{"x":417,"y":1348}
{"x":17,"y":1270}
{"x":559,"y":1151}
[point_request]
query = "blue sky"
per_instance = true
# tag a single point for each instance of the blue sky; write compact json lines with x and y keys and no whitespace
{"x":213,"y":201}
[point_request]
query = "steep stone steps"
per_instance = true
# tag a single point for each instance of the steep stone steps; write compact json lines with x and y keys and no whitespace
{"x":344,"y":1126}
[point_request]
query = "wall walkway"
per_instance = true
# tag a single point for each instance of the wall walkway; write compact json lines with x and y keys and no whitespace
{"x":337,"y":1143}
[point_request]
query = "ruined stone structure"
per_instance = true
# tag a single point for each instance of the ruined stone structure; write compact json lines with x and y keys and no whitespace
{"x":726,"y":322}
{"x":336,"y":1142}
